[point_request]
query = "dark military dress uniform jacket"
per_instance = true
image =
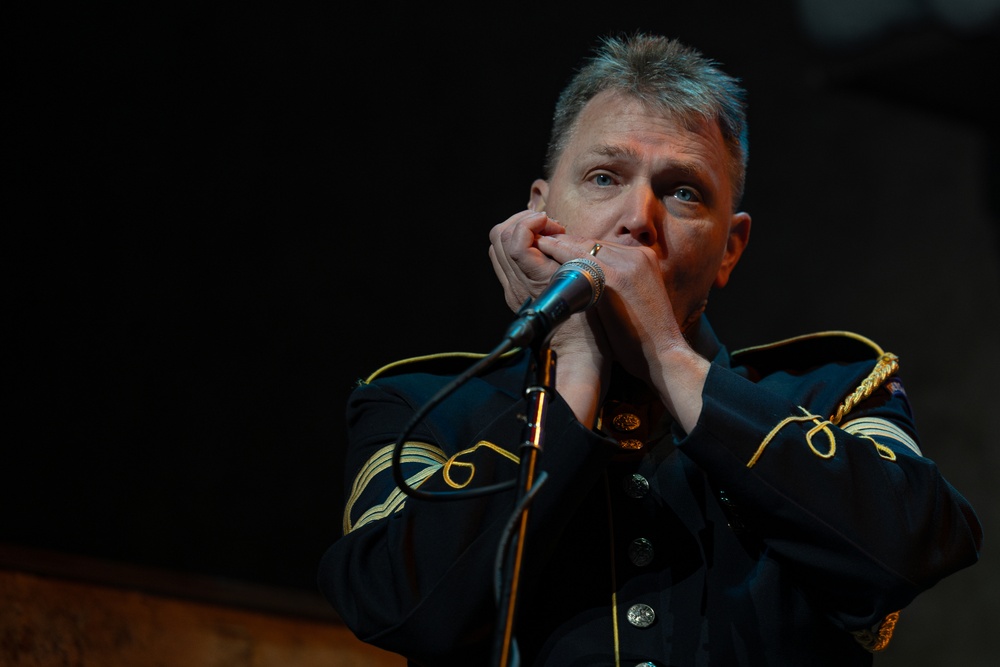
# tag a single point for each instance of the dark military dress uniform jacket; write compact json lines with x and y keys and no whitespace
{"x":788,"y":528}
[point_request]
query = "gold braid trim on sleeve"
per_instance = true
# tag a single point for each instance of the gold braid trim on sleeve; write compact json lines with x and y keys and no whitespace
{"x":876,"y":640}
{"x":886,"y":365}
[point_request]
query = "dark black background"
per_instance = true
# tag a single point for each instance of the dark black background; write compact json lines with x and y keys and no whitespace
{"x":225,"y":213}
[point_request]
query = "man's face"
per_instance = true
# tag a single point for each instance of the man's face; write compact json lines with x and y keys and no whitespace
{"x":631,"y":176}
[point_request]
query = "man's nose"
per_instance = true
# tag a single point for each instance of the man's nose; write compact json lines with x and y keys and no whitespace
{"x":642,"y":214}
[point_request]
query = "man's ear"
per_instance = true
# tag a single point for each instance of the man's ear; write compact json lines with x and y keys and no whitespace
{"x":539,"y":194}
{"x":736,"y":243}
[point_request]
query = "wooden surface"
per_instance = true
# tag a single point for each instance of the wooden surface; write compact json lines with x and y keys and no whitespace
{"x":51,"y":622}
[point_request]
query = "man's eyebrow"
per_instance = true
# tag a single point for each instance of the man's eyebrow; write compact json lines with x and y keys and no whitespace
{"x":691,"y":168}
{"x":616,"y":151}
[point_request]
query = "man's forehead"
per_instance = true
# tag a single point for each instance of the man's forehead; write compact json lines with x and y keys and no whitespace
{"x":609,"y":108}
{"x":620,"y":126}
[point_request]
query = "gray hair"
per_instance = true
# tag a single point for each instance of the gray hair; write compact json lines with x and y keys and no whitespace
{"x":665,"y":75}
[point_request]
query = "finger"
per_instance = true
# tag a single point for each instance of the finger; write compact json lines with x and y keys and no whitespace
{"x":515,"y":244}
{"x":564,"y":247}
{"x":522,"y":269}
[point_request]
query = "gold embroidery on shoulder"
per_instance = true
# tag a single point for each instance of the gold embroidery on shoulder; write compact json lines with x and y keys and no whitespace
{"x":821,"y":426}
{"x":433,"y":459}
{"x":870,"y":427}
{"x":413,"y":452}
{"x":393,"y":503}
{"x":882,"y":450}
{"x":887,"y":364}
{"x":885,"y":367}
{"x":453,"y":462}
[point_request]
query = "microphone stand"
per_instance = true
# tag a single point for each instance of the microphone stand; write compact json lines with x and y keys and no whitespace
{"x":539,"y":385}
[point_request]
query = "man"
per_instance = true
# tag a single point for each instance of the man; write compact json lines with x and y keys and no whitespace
{"x":695,"y":507}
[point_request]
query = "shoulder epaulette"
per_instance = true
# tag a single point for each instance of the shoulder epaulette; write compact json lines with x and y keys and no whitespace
{"x":806,"y":351}
{"x":809,"y":350}
{"x":442,"y":363}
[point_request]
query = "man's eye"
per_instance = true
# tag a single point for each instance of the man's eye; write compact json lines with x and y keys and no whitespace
{"x":603,"y":180}
{"x":685,"y":194}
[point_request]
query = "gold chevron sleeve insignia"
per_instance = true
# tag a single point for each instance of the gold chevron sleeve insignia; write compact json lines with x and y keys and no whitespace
{"x":429,"y":457}
{"x":880,"y":430}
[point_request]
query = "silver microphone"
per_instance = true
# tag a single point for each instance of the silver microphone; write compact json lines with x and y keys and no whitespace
{"x":575,"y":286}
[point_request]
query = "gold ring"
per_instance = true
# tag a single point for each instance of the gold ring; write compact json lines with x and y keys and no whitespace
{"x":593,"y":251}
